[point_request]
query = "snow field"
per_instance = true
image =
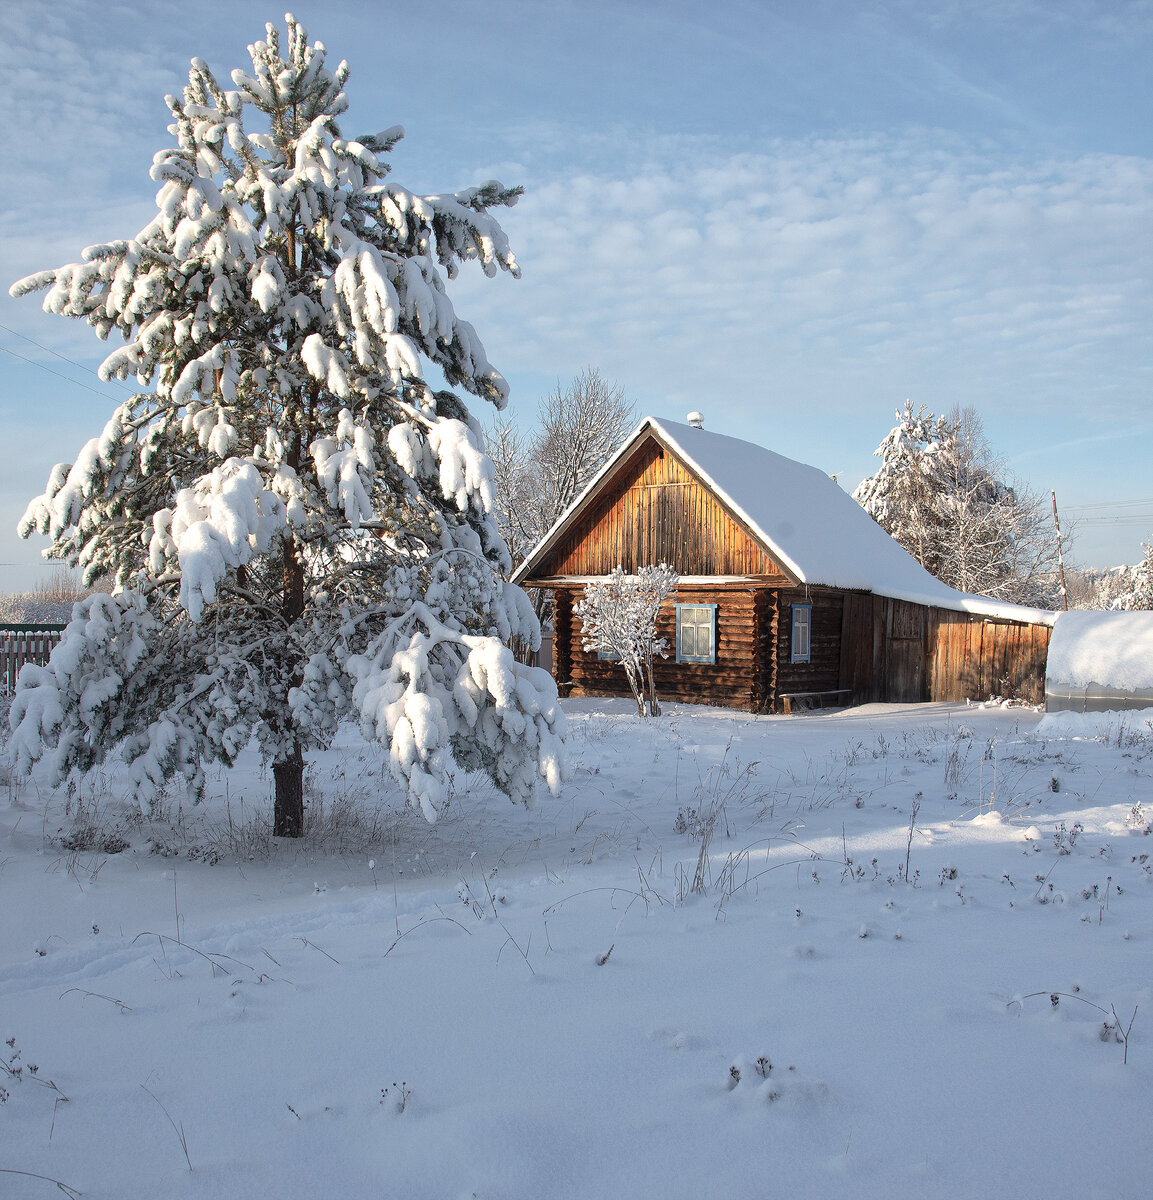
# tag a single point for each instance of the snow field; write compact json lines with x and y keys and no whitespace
{"x":268,"y":998}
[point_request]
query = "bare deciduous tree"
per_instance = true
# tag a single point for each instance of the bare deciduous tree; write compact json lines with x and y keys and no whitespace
{"x":540,"y":474}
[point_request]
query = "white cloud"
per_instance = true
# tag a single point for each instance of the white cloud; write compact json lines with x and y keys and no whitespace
{"x":797,"y":288}
{"x":904,"y":251}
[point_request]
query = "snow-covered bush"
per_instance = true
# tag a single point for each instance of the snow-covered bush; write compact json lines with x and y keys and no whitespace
{"x":619,"y":618}
{"x":298,"y":527}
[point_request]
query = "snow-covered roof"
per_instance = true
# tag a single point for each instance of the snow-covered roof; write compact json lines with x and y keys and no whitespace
{"x":816,"y":531}
{"x":1106,"y":649}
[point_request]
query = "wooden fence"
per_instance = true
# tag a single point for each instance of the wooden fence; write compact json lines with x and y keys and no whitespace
{"x":20,"y":644}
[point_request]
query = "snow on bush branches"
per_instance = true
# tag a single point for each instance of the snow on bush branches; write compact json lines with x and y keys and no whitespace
{"x":299,"y":528}
{"x":619,"y":620}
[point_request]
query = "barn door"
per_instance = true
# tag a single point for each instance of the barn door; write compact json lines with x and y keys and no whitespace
{"x":905,"y":674}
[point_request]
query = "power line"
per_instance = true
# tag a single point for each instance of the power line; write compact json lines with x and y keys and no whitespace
{"x":1107,"y":504}
{"x":1116,"y":514}
{"x":57,"y":354}
{"x":58,"y":374}
{"x":1135,"y":519}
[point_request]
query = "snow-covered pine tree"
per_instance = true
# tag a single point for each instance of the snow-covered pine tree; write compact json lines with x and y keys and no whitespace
{"x":902,"y":496}
{"x":298,"y":526}
{"x":939,"y":492}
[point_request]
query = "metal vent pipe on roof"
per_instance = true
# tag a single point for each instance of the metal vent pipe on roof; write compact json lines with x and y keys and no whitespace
{"x":696,"y":420}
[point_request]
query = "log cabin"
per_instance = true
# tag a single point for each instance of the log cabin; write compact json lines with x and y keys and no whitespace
{"x":790,"y":595}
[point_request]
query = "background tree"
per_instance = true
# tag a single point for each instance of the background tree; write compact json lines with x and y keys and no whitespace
{"x":940,"y":493}
{"x":619,"y":617}
{"x":299,"y":528}
{"x":539,"y":475}
{"x":1138,"y":591}
{"x":49,"y":603}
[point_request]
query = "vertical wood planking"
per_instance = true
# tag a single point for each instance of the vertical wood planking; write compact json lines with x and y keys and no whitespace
{"x":657,"y":512}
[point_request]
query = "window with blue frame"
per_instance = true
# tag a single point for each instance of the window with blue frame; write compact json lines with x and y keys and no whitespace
{"x":697,"y":633}
{"x":802,"y":633}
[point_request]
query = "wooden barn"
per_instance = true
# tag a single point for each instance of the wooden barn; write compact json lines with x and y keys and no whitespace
{"x":789,"y":593}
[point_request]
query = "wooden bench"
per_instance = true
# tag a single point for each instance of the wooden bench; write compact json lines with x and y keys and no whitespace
{"x":812,"y":699}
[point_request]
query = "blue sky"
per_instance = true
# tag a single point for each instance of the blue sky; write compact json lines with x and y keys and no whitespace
{"x":789,"y":215}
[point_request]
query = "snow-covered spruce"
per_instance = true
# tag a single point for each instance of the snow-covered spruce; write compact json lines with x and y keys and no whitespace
{"x":297,"y":525}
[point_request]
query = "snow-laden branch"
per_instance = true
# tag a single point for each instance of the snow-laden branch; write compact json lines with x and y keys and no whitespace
{"x":221,"y":522}
{"x":437,"y":697}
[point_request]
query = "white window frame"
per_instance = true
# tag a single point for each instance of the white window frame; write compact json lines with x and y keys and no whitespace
{"x":802,"y":634}
{"x":711,"y":657}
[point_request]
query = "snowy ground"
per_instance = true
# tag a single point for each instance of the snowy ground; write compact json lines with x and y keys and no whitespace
{"x":573,"y":1002}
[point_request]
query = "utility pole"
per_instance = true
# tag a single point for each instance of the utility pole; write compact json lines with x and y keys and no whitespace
{"x":1060,"y":556}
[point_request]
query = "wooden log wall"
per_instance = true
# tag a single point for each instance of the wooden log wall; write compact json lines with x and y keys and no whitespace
{"x":562,"y":639}
{"x":823,"y":670}
{"x":885,"y":650}
{"x":768,"y":614}
{"x":657,"y":512}
{"x":730,"y":682}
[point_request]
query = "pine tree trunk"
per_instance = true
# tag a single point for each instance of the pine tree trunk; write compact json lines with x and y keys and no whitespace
{"x":288,"y":775}
{"x":288,"y":809}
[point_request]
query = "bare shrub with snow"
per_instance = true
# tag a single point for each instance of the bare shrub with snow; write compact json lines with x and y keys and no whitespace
{"x":299,"y":529}
{"x":619,"y":619}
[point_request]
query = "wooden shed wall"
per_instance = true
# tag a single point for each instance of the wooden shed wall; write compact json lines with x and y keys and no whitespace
{"x":975,"y":658}
{"x":654,"y":511}
{"x":862,"y":645}
{"x":884,"y":646}
{"x":892,"y":651}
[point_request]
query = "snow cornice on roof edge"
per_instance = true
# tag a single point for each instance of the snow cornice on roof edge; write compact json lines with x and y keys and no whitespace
{"x":814,"y":530}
